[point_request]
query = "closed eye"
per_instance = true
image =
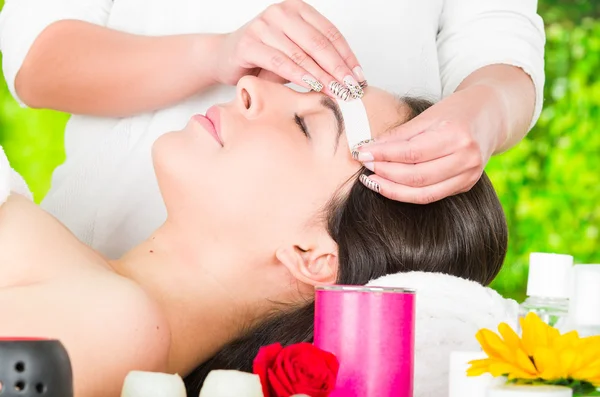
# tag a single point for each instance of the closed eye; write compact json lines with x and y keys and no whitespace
{"x":300,"y":122}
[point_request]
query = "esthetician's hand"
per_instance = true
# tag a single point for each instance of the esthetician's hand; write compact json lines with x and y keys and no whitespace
{"x":440,"y":153}
{"x":290,"y":40}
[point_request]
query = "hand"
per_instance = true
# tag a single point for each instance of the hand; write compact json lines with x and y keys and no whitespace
{"x":294,"y":42}
{"x":439,"y":153}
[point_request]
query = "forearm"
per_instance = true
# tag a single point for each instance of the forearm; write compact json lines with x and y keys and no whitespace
{"x":81,"y":68}
{"x":511,"y":105}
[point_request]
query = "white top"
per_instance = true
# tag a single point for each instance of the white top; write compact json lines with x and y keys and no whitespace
{"x":11,"y":181}
{"x":549,"y":275}
{"x":106,"y":192}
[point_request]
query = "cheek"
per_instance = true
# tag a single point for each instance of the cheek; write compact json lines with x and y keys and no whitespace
{"x":260,"y":187}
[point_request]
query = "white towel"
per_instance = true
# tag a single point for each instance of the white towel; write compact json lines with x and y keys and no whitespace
{"x":449,"y":312}
{"x":11,"y":181}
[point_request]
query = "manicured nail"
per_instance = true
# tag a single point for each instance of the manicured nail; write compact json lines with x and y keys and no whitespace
{"x":364,"y":157}
{"x":340,"y":91}
{"x":370,"y":166}
{"x":313,"y":83}
{"x":359,"y":74}
{"x":369,"y":183}
{"x":354,"y":87}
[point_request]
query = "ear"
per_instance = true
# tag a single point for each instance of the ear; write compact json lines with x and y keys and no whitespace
{"x":314,"y":263}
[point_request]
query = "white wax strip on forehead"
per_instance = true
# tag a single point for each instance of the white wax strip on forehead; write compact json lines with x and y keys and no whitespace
{"x":356,"y":121}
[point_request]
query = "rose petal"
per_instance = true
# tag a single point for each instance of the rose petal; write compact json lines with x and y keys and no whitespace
{"x":264,"y":360}
{"x":281,"y":372}
{"x":277,"y":388}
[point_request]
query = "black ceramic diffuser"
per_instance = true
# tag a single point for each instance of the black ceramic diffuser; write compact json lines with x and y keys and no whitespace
{"x":34,"y":368}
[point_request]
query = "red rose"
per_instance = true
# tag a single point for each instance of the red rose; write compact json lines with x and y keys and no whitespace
{"x":296,"y":369}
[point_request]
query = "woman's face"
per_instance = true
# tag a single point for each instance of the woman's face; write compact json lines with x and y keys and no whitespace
{"x":278,"y":158}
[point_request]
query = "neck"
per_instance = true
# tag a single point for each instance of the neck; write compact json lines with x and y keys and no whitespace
{"x":196,"y":297}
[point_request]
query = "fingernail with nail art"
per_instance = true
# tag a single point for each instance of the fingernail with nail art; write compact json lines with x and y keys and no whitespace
{"x":340,"y":91}
{"x":313,"y":83}
{"x":363,"y":143}
{"x":369,"y":183}
{"x":355,"y":89}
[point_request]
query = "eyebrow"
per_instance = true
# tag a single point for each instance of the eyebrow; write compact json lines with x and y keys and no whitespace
{"x":337,"y":113}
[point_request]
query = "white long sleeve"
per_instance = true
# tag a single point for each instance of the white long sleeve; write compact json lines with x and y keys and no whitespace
{"x":477,"y":33}
{"x":106,"y":191}
{"x":22,"y":21}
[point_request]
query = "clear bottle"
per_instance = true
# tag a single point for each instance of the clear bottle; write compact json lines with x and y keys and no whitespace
{"x":584,"y":306}
{"x":548,"y":288}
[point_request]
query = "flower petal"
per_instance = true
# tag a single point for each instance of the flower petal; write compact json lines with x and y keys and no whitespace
{"x":511,"y":339}
{"x":523,"y":361}
{"x":494,"y":346}
{"x":548,"y":364}
{"x":498,"y":368}
{"x":535,"y":333}
{"x":478,"y":367}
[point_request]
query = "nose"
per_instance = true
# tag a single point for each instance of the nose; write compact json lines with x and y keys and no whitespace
{"x":251,"y":95}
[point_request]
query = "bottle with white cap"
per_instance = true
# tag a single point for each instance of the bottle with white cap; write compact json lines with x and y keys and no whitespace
{"x":548,"y":288}
{"x":584,"y":305}
{"x":529,"y":391}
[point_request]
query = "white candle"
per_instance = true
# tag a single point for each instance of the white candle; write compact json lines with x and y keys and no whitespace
{"x":153,"y":384}
{"x":530,"y":391}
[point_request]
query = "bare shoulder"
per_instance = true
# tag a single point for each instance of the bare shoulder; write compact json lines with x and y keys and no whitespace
{"x":132,"y":312}
{"x":135,"y":334}
{"x":125,"y":330}
{"x":108,"y":325}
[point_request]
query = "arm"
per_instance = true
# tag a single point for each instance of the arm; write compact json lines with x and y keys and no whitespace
{"x":510,"y":95}
{"x":63,"y":58}
{"x":509,"y":36}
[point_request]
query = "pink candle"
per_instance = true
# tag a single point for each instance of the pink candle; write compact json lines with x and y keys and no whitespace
{"x":371,"y":330}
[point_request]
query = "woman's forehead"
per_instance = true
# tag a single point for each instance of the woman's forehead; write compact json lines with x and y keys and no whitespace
{"x":384,"y":110}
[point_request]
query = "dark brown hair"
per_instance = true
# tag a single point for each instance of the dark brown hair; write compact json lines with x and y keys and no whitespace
{"x":463,"y":235}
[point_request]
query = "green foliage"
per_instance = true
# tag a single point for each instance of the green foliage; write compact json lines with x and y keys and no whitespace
{"x":32,"y":140}
{"x":549,"y":184}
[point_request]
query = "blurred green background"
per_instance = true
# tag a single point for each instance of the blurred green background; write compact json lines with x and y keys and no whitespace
{"x":549,"y":184}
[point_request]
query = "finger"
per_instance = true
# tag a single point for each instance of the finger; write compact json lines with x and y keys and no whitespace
{"x":321,"y":50}
{"x":277,"y":62}
{"x":405,"y":131}
{"x":423,"y":195}
{"x":427,"y":173}
{"x":430,"y":145}
{"x":339,"y":42}
{"x":281,"y":42}
{"x":270,"y":76}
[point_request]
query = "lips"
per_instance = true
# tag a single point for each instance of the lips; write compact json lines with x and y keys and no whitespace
{"x":211,"y":123}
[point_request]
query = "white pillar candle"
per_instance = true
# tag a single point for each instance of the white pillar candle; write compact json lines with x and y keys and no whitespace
{"x":461,"y":385}
{"x":529,"y":391}
{"x":153,"y":384}
{"x":229,"y":383}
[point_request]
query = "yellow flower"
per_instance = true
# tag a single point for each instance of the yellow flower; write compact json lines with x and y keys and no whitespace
{"x":542,"y":353}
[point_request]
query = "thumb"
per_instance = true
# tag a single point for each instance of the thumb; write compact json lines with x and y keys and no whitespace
{"x":405,"y":131}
